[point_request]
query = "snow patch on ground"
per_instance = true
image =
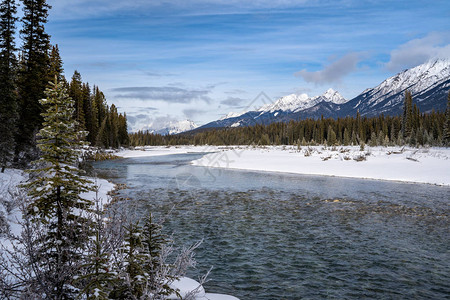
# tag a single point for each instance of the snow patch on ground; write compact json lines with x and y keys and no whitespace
{"x":11,"y":195}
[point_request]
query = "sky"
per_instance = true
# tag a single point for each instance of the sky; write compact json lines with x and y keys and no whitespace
{"x":168,"y":60}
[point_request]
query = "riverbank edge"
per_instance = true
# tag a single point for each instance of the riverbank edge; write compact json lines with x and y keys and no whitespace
{"x":396,"y":164}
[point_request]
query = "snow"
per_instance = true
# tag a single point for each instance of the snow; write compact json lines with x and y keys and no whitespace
{"x":103,"y":188}
{"x":292,"y":102}
{"x":416,"y":79}
{"x":297,"y":102}
{"x":187,"y":285}
{"x":164,"y":150}
{"x":233,"y":115}
{"x":177,"y":127}
{"x":9,"y":183}
{"x":420,"y":165}
{"x":210,"y":296}
{"x":382,"y":163}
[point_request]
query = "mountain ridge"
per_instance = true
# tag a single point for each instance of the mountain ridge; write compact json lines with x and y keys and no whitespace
{"x":429,"y":84}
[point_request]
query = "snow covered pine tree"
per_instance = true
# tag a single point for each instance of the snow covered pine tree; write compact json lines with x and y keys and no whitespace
{"x":55,"y":203}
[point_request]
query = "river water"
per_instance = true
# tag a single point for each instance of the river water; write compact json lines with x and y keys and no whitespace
{"x":285,"y":236}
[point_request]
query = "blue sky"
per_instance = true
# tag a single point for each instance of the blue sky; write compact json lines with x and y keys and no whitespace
{"x":172,"y":59}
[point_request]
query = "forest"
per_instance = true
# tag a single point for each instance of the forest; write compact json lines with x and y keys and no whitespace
{"x":25,"y":73}
{"x":411,"y":128}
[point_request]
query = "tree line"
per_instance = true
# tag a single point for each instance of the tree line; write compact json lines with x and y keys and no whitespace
{"x":25,"y":73}
{"x":413,"y":128}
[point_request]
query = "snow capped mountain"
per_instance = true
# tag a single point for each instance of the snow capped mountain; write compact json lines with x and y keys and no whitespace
{"x":232,"y":115}
{"x":289,"y":102}
{"x":297,"y":102}
{"x":429,"y":84}
{"x":177,"y":127}
{"x":276,"y":111}
{"x":422,"y":81}
{"x":333,"y":96}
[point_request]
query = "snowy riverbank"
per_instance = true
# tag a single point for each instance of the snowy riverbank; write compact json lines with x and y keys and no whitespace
{"x":9,"y":190}
{"x":423,"y":165}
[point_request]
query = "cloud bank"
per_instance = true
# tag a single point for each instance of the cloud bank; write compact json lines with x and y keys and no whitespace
{"x":233,"y":101}
{"x":334,"y":72}
{"x":166,"y":94}
{"x":418,"y":51}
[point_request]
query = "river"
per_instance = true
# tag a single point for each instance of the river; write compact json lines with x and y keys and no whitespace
{"x":285,"y":236}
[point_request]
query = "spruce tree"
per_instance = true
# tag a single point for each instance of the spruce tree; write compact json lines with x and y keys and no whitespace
{"x":8,"y":65}
{"x":122,"y":131}
{"x":33,"y":74}
{"x":76,"y":93}
{"x":100,"y":105}
{"x":132,"y":275}
{"x":407,"y":118}
{"x":54,"y":190}
{"x":153,"y":241}
{"x":56,"y":65}
{"x":88,"y":112}
{"x":99,"y":278}
{"x":331,"y":136}
{"x":446,"y":133}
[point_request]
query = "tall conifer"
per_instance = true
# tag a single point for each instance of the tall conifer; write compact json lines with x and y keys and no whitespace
{"x":55,"y":195}
{"x":33,"y":72}
{"x":76,"y":93}
{"x":56,"y":65}
{"x":407,"y":118}
{"x":8,"y":65}
{"x":446,"y":134}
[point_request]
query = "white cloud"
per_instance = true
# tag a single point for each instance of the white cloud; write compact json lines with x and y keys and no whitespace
{"x":167,"y":94}
{"x":334,"y":72}
{"x":418,"y":51}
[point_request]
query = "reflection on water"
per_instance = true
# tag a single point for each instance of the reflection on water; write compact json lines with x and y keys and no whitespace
{"x":281,"y":236}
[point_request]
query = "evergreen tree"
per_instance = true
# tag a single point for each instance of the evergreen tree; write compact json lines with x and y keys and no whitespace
{"x":8,"y":65}
{"x":331,"y":136}
{"x":132,"y":280}
{"x":153,"y":241}
{"x":54,"y":191}
{"x":76,"y":93}
{"x":122,"y":131}
{"x":114,"y":127}
{"x":99,"y":278}
{"x":407,"y":119}
{"x":32,"y":75}
{"x":100,"y":105}
{"x":90,"y":125}
{"x":56,"y":65}
{"x":446,"y":133}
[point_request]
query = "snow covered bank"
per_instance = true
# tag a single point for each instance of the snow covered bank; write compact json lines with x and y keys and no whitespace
{"x":188,"y":287}
{"x":10,"y":195}
{"x":425,"y":165}
{"x":163,"y":150}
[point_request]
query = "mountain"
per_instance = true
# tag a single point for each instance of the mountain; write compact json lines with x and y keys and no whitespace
{"x":177,"y":127}
{"x":278,"y":111}
{"x":429,"y":84}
